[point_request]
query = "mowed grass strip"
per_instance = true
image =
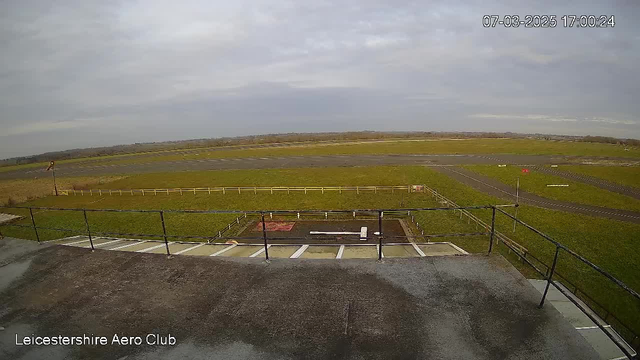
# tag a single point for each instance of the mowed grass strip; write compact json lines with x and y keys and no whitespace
{"x":623,"y":175}
{"x":341,"y":176}
{"x":429,"y":146}
{"x":536,"y":183}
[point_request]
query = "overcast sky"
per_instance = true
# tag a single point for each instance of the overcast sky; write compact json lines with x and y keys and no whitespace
{"x":92,"y":73}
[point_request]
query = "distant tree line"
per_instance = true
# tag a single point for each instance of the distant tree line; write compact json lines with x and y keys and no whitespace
{"x":610,"y":140}
{"x":288,"y":138}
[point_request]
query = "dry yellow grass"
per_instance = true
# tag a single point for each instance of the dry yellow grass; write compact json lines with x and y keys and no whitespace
{"x":28,"y":189}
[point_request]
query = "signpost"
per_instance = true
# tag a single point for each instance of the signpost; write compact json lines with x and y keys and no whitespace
{"x":52,"y":166}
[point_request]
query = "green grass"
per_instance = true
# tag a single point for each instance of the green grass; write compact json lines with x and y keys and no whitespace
{"x":388,"y":146}
{"x":623,"y":175}
{"x":375,"y":175}
{"x":440,"y":146}
{"x":610,"y":244}
{"x":577,"y":192}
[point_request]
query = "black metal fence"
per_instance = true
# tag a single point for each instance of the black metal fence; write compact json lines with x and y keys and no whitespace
{"x":550,"y":272}
{"x":527,"y":258}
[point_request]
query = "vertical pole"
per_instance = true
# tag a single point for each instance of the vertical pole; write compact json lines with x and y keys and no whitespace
{"x":264,"y":236}
{"x":379,"y":235}
{"x":550,"y":278}
{"x":164,"y":232}
{"x":517,"y":198}
{"x":493,"y":228}
{"x":55,"y":187}
{"x":86,"y":222}
{"x":33,"y":221}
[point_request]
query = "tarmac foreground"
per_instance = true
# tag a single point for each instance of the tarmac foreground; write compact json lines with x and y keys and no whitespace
{"x":449,"y":307}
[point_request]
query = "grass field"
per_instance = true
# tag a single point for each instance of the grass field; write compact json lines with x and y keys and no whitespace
{"x":623,"y":175}
{"x":536,"y":183}
{"x":443,"y":146}
{"x":610,"y":244}
{"x":22,"y":190}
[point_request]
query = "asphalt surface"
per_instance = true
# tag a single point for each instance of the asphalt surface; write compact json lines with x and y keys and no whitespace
{"x":456,"y":307}
{"x":496,"y":188}
{"x":80,"y":169}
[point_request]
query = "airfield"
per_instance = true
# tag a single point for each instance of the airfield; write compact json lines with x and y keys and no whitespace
{"x":202,"y":210}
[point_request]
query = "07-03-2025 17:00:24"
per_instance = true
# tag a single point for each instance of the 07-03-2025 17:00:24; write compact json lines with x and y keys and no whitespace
{"x":549,"y":21}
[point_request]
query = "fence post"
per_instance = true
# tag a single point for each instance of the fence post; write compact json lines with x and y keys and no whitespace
{"x":33,"y":221}
{"x":493,"y":228}
{"x":86,"y":222}
{"x":264,"y":236}
{"x":379,"y":235}
{"x":550,"y":278}
{"x":164,"y":233}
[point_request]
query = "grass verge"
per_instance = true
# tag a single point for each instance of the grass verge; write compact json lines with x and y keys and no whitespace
{"x":623,"y":175}
{"x":577,"y":192}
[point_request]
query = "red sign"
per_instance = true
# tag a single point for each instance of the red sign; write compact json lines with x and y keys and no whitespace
{"x":525,"y":171}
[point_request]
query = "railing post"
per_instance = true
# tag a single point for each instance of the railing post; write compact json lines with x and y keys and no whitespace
{"x":550,"y":278}
{"x":493,"y":228}
{"x":379,"y":235}
{"x":164,"y":233}
{"x":264,"y":236}
{"x":33,"y":221}
{"x":86,"y":222}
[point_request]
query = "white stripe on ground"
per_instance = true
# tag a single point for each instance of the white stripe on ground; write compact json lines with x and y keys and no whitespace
{"x":340,"y":252}
{"x":592,"y":327}
{"x":108,"y":242}
{"x":458,"y":248}
{"x":299,"y":252}
{"x":125,"y":246}
{"x":76,"y":242}
{"x":188,"y":249}
{"x":418,"y":250}
{"x":224,"y":250}
{"x":259,"y":251}
{"x":152,"y":248}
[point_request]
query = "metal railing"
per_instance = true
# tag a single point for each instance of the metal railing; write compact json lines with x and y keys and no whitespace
{"x":372,"y":213}
{"x":245,"y":189}
{"x":549,"y":274}
{"x":380,"y":237}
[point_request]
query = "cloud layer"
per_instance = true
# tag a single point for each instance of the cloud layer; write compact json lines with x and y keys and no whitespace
{"x":93,"y":73}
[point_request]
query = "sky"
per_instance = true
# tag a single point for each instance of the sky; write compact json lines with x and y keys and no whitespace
{"x":85,"y":73}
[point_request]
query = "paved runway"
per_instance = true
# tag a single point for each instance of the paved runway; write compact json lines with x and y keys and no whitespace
{"x":90,"y":169}
{"x":495,"y":188}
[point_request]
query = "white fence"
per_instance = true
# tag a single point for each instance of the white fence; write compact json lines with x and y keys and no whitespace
{"x":245,"y":189}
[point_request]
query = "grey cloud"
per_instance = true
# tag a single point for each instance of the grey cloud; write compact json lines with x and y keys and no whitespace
{"x":83,"y":73}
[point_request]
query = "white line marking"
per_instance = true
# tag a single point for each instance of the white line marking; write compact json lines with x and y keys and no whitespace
{"x":592,"y":327}
{"x":125,"y":246}
{"x":259,"y":251}
{"x":457,"y":248}
{"x":224,"y":250}
{"x":299,"y":252}
{"x":188,"y":249}
{"x":76,"y":242}
{"x":340,"y":252}
{"x":152,"y":248}
{"x":418,"y":250}
{"x":108,"y":242}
